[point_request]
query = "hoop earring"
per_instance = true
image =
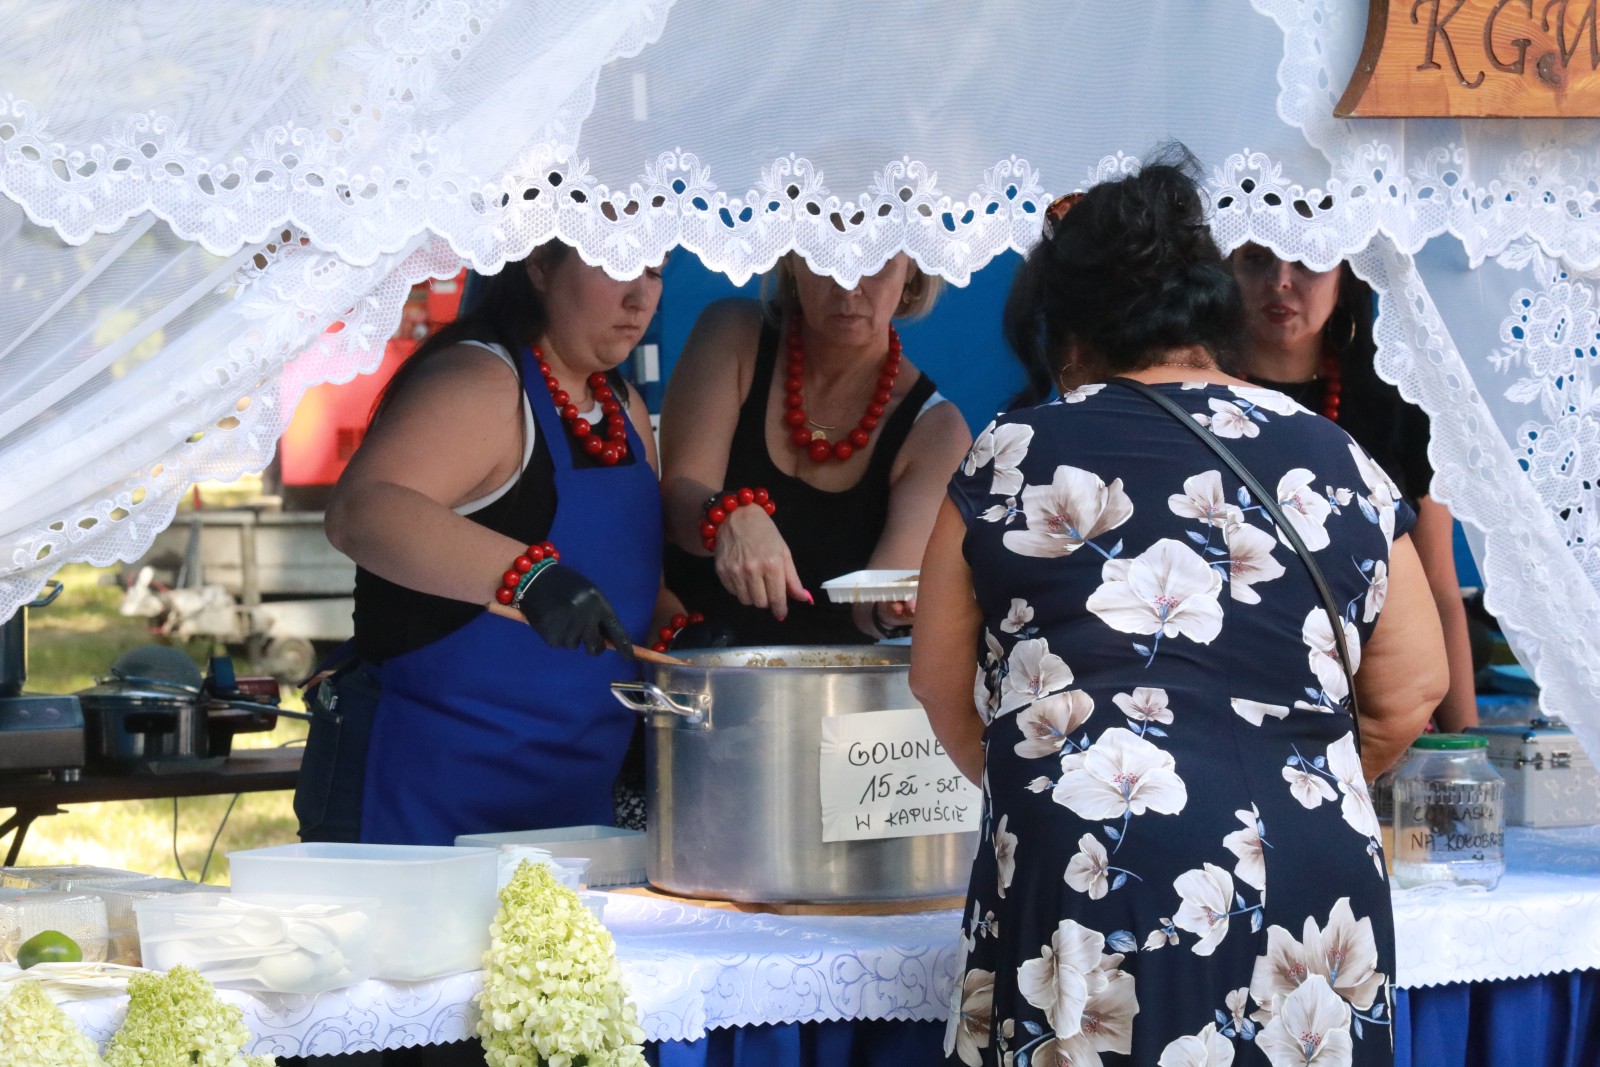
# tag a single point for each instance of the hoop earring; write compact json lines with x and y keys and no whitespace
{"x":911,"y":292}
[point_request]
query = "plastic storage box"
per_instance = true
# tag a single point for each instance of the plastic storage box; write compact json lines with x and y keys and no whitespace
{"x":26,"y":912}
{"x":616,"y":856}
{"x":276,"y":944}
{"x":435,"y":902}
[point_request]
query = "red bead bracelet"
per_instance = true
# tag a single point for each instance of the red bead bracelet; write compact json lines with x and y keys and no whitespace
{"x":667,"y":633}
{"x":523,"y":569}
{"x":718,"y":508}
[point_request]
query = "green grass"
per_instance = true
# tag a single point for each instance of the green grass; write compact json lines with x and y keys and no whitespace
{"x":71,"y":643}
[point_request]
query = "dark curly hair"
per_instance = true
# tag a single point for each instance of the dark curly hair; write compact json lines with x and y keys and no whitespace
{"x":1130,"y":272}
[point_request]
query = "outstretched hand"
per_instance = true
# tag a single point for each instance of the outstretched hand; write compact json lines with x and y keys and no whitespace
{"x":569,"y":611}
{"x":754,"y":564}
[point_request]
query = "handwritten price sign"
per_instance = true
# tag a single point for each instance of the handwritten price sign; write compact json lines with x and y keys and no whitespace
{"x":884,"y":775}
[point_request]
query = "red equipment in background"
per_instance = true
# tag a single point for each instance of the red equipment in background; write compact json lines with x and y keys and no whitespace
{"x":331,"y":419}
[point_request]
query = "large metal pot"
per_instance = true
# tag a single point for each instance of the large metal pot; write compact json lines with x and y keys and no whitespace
{"x":733,"y":748}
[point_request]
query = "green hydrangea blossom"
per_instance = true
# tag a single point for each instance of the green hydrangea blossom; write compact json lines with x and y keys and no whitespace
{"x":177,"y":1020}
{"x":34,"y":1032}
{"x":552,"y":990}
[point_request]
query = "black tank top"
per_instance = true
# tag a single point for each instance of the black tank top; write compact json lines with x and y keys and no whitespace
{"x":828,"y":533}
{"x":392,"y":619}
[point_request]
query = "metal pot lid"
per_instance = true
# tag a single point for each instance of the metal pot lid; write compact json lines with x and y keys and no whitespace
{"x":123,"y":692}
{"x":157,"y":667}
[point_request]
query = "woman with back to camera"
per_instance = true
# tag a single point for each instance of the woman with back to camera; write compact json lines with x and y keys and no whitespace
{"x":1310,"y":336}
{"x":507,"y":441}
{"x":810,"y":404}
{"x":1176,"y":827}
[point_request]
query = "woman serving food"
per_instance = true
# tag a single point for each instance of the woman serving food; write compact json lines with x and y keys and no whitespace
{"x":799,"y":443}
{"x":503,"y":513}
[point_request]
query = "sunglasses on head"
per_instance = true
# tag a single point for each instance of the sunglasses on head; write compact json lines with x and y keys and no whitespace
{"x":1058,"y":209}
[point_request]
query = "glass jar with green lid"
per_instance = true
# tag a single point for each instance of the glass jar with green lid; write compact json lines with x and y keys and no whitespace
{"x":1449,"y":814}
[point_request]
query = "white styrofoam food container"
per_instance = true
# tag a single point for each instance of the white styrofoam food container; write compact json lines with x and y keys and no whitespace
{"x":435,"y":902}
{"x":616,"y":856}
{"x":862,"y":587}
{"x":278,"y":944}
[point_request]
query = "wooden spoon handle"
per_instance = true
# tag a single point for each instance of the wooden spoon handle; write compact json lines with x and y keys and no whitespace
{"x":649,"y":655}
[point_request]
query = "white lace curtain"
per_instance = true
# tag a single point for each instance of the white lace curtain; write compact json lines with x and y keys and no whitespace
{"x":212,"y":208}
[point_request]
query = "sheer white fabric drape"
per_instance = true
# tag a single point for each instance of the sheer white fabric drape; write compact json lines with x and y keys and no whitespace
{"x":225,"y":205}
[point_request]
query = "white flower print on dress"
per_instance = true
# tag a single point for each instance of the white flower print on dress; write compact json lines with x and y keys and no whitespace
{"x":1086,"y":871}
{"x":1246,"y":844}
{"x":967,"y":1031}
{"x":1006,"y":446}
{"x":1205,"y":1049}
{"x":1006,"y":513}
{"x":1378,"y":504}
{"x":1249,"y":561}
{"x":1267,"y":399}
{"x":1238,"y":1025}
{"x":1082,"y":393}
{"x":1304,"y":507}
{"x":1207,"y":901}
{"x":1121,"y":775}
{"x":1058,"y":982}
{"x":1322,"y":653}
{"x":1228,"y":420}
{"x":1166,"y":590}
{"x":1107,"y":1023}
{"x":986,"y":686}
{"x":1071,"y":511}
{"x":1019,"y":616}
{"x":1046,"y":723}
{"x":1377,"y":592}
{"x":1346,"y":954}
{"x":1308,"y":787}
{"x":1278,"y":972}
{"x":1005,"y":855}
{"x":1033,"y":671}
{"x":1144,"y":705}
{"x":1255,"y":712}
{"x":1356,"y":807}
{"x":1311,"y":1029}
{"x":1203,"y":498}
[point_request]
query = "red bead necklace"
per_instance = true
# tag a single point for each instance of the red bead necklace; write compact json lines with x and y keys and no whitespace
{"x":609,"y":450}
{"x":815,"y":441}
{"x":1331,"y":385}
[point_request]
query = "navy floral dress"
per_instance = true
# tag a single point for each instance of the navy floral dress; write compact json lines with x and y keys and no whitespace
{"x":1181,"y":862}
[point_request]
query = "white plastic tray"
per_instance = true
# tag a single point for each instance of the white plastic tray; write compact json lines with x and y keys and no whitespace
{"x":863,"y":587}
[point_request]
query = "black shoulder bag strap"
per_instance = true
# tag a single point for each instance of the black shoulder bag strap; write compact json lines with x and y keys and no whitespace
{"x":1269,"y":504}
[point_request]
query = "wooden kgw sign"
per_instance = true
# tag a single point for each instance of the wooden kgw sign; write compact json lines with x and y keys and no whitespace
{"x":1477,"y":58}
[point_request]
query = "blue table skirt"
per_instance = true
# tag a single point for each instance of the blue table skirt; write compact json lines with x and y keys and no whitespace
{"x":1533,"y":1022}
{"x":1552,"y":1021}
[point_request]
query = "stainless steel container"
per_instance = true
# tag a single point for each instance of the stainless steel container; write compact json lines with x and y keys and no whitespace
{"x":733,"y":778}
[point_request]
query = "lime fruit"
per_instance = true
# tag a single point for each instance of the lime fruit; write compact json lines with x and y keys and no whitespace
{"x":48,"y":946}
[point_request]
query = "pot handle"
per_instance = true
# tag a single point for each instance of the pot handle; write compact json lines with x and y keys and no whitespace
{"x":649,"y":699}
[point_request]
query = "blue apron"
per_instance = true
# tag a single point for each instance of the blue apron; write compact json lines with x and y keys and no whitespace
{"x":490,"y":729}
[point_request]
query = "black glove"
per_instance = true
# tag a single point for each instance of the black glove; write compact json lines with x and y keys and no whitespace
{"x":568,"y":610}
{"x":704,"y":634}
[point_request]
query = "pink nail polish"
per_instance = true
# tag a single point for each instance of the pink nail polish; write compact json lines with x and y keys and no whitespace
{"x":809,"y":598}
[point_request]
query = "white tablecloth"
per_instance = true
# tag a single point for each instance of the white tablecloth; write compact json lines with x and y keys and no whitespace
{"x":1542,"y":918}
{"x":694,"y":969}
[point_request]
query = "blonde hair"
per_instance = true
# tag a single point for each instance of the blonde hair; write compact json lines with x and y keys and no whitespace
{"x":921,"y":292}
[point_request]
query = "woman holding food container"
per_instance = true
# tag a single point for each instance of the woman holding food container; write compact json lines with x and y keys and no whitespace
{"x":799,"y":443}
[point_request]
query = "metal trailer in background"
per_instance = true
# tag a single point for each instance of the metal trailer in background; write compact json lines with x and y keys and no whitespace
{"x":252,"y":578}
